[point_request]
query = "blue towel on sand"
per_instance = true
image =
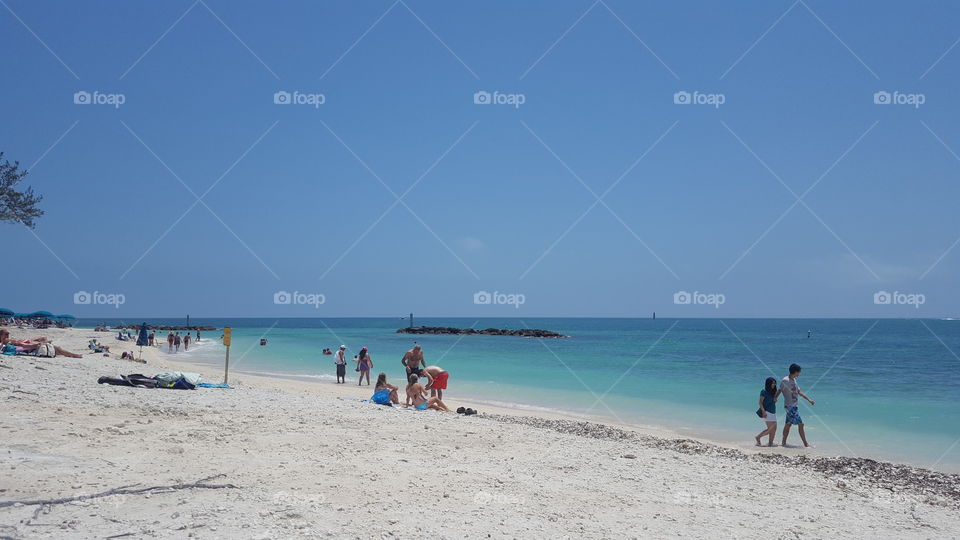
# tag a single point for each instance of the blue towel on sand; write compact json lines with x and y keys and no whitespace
{"x":211,"y":385}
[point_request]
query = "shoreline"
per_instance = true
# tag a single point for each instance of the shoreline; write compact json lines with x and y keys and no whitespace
{"x":726,"y":437}
{"x":307,"y":460}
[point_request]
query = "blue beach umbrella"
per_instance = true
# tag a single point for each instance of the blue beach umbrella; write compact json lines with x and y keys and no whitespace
{"x":142,"y":338}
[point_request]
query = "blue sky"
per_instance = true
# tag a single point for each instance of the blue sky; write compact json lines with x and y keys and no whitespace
{"x":495,"y":197}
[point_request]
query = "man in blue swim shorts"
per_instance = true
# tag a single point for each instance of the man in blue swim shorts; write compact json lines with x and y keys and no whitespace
{"x":790,"y":391}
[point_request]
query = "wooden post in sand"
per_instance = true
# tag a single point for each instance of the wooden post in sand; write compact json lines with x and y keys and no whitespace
{"x":226,"y":362}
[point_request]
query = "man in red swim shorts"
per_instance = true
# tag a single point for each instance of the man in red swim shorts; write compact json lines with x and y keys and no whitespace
{"x":438,"y":380}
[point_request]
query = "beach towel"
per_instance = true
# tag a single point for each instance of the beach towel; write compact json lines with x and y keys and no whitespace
{"x":211,"y":385}
{"x":381,"y":397}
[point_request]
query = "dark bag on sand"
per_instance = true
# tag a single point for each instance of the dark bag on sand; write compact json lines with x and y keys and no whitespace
{"x":135,"y":379}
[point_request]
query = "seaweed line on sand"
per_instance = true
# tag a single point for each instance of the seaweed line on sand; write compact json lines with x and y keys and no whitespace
{"x":933,"y":487}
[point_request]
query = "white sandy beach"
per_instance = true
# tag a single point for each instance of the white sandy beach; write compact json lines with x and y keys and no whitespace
{"x":290,"y":459}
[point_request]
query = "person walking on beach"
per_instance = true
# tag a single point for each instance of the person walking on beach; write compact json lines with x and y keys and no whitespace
{"x":768,"y":410}
{"x":790,"y":391}
{"x":437,"y":382}
{"x":364,"y":365}
{"x":170,"y":342}
{"x":413,"y":361}
{"x":176,"y":342}
{"x":186,"y":341}
{"x":150,"y":339}
{"x":417,"y":398}
{"x":198,"y":335}
{"x":340,"y":360}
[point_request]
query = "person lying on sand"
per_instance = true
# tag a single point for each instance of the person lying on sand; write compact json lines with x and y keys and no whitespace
{"x":385,"y":393}
{"x":417,"y":397}
{"x":29,"y":346}
{"x":130,"y":356}
{"x":97,"y":347}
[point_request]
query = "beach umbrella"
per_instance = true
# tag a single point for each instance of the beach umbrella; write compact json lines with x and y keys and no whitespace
{"x":41,"y":315}
{"x":4,"y":313}
{"x":142,"y":338}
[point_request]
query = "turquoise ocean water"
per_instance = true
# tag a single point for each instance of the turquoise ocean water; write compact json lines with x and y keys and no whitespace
{"x":884,"y":389}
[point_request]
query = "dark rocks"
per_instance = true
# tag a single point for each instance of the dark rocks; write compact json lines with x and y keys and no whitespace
{"x":439,"y":330}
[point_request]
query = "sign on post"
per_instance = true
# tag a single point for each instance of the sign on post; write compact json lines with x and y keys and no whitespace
{"x":226,"y":362}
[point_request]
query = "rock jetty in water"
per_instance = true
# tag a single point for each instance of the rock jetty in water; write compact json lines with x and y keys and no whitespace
{"x":526,"y":332}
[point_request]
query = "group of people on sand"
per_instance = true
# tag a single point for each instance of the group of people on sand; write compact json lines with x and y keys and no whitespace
{"x":174,"y":340}
{"x":385,"y":393}
{"x":768,"y":407}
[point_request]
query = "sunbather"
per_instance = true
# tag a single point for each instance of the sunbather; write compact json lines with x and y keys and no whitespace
{"x":29,"y":346}
{"x":417,"y":397}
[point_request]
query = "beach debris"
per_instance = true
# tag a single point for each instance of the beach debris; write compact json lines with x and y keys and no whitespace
{"x":125,"y":490}
{"x":933,"y":487}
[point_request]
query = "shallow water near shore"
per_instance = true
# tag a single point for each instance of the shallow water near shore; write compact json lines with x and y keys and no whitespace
{"x":883,"y":389}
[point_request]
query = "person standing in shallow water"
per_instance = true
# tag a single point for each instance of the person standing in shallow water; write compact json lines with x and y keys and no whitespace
{"x":364,"y":365}
{"x":340,"y":360}
{"x":790,"y":391}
